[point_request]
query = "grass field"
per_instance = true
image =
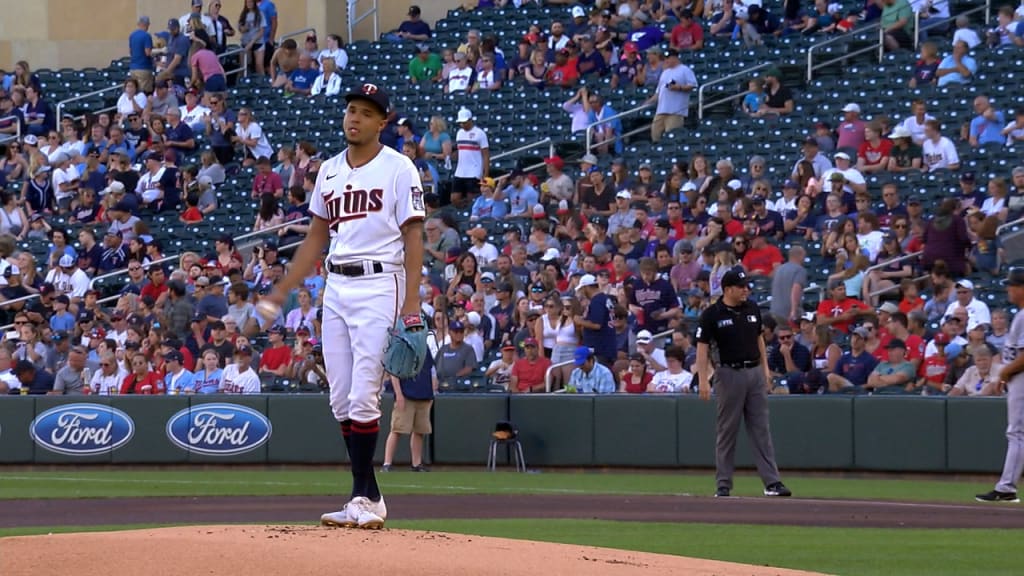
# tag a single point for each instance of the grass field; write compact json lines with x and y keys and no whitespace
{"x":253,"y":482}
{"x":849,"y":551}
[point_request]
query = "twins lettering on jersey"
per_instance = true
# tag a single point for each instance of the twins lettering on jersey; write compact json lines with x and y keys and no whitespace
{"x":352,"y":204}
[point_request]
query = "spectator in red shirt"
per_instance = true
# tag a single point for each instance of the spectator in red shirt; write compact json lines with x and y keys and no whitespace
{"x":687,"y":35}
{"x":277,"y":358}
{"x":564,"y":72}
{"x":635,"y":379}
{"x":732,"y":226}
{"x":142,"y":380}
{"x":873,"y":154}
{"x":898,"y":327}
{"x":528,"y":372}
{"x":157,"y":286}
{"x":762,"y":258}
{"x":839,"y":310}
{"x":266,"y":180}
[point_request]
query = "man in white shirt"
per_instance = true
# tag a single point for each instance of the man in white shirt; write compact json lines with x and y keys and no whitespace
{"x":474,"y":158}
{"x":915,"y":122}
{"x":197,"y":11}
{"x":485,"y":252}
{"x":68,"y":278}
{"x":108,"y":379}
{"x":854,"y":179}
{"x":977,"y":311}
{"x":65,"y":179}
{"x":193,"y":112}
{"x":964,"y":33}
{"x":673,"y":95}
{"x":462,"y":77}
{"x":938,"y":151}
{"x":7,"y":377}
{"x":654,"y":355}
{"x":239,"y":378}
{"x":249,"y":133}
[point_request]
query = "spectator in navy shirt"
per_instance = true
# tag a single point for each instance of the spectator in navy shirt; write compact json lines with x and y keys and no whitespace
{"x":598,"y":331}
{"x":114,"y":257}
{"x":179,"y":135}
{"x":855,"y":366}
{"x":412,"y":30}
{"x":590,"y":63}
{"x":891,"y":208}
{"x":39,"y":114}
{"x":652,"y":300}
{"x":178,"y":47}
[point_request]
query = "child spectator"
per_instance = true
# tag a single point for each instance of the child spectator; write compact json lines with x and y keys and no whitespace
{"x":191,"y":215}
{"x":755,"y":97}
{"x":62,"y":320}
{"x":911,"y":296}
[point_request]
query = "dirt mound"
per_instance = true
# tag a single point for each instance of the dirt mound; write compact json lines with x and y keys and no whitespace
{"x":302,"y":550}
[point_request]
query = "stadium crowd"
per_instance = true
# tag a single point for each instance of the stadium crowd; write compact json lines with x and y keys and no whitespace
{"x":597,"y":267}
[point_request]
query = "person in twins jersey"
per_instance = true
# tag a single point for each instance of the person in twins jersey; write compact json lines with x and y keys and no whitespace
{"x":368,"y":202}
{"x":240,"y":378}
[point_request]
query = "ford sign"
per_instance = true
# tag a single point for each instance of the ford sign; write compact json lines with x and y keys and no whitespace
{"x":218,"y":429}
{"x":82,"y":429}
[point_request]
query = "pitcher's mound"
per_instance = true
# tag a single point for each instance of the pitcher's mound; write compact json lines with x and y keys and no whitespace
{"x":302,"y":550}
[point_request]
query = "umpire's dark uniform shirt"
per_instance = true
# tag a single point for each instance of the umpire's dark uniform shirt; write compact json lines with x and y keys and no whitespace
{"x":736,"y":331}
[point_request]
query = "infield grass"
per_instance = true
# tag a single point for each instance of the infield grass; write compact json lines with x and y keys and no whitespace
{"x":841,"y":551}
{"x":85,"y":483}
{"x":846,"y":551}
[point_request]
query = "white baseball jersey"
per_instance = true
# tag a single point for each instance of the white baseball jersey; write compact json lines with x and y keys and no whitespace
{"x":364,"y":217}
{"x":74,"y":285}
{"x":104,"y":385}
{"x":240,"y":383}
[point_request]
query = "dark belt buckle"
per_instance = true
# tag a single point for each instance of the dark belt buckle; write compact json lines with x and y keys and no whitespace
{"x":351,"y":270}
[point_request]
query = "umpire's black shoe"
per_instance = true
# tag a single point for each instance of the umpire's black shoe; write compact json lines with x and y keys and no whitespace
{"x":722,"y":493}
{"x":777,"y":489}
{"x":997,"y":496}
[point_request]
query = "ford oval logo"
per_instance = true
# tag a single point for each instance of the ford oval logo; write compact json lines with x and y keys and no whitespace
{"x":82,"y":429}
{"x":218,"y":429}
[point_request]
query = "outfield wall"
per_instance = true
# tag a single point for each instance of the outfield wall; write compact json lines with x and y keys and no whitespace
{"x":895,"y":434}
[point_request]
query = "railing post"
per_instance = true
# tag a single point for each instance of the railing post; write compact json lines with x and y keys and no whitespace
{"x":917,"y":29}
{"x":810,"y":63}
{"x":881,"y":44}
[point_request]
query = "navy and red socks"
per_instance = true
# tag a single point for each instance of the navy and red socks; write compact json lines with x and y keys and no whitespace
{"x":361,"y":442}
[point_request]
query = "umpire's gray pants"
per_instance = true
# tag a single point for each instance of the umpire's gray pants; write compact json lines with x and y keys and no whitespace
{"x":742,"y":395}
{"x":1014,"y":464}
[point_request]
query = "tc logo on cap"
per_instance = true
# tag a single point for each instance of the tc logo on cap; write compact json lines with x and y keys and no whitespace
{"x":370,"y":89}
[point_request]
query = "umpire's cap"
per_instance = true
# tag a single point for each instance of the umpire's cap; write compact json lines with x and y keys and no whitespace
{"x":371,"y":93}
{"x":735,"y":277}
{"x":1015,"y":277}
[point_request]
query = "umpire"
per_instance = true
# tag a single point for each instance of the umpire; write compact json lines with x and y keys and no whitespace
{"x":733,"y":325}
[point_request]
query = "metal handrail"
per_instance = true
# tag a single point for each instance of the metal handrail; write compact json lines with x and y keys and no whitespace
{"x":354,"y":20}
{"x":1001,"y":227}
{"x":987,"y":7}
{"x":547,"y":373}
{"x":812,"y":287}
{"x":895,"y":287}
{"x":273,"y":228}
{"x":243,"y":67}
{"x":63,"y":103}
{"x":17,"y":132}
{"x":524,"y":148}
{"x":615,"y":117}
{"x":296,"y":34}
{"x":123,"y":271}
{"x":810,"y":51}
{"x":881,"y":265}
{"x":700,"y":91}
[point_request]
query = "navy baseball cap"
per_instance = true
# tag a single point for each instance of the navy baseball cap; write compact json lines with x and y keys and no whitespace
{"x":371,"y":93}
{"x":456,"y":326}
{"x":243,"y":350}
{"x":174,"y":356}
{"x":277,"y":329}
{"x":85,"y":316}
{"x":1015,"y":277}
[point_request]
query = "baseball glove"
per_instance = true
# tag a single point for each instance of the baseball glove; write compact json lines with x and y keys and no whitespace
{"x":407,"y":347}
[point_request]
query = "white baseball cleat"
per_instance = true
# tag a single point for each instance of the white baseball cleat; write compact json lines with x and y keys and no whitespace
{"x":367,"y":514}
{"x":339,"y":519}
